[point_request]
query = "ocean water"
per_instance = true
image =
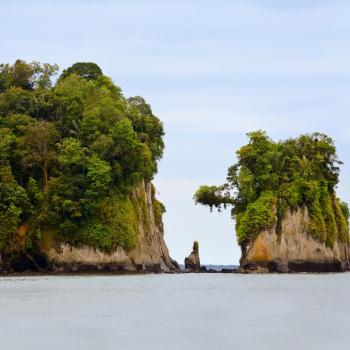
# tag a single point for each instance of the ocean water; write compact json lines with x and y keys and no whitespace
{"x":188,"y":311}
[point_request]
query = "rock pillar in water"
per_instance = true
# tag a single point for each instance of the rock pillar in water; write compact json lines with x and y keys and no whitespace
{"x":192,"y":262}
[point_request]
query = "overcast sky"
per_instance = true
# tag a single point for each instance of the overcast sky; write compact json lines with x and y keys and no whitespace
{"x":212,"y":71}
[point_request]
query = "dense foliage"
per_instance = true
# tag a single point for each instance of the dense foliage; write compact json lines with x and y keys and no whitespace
{"x":271,"y":177}
{"x":70,"y":154}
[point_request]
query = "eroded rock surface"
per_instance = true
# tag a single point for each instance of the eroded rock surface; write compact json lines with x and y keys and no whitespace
{"x":293,"y":249}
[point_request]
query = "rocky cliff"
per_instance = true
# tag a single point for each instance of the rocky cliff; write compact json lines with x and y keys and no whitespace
{"x":289,"y":247}
{"x":150,"y":253}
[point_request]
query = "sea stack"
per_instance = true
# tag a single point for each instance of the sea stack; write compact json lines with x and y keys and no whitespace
{"x":284,"y":201}
{"x":192,"y":262}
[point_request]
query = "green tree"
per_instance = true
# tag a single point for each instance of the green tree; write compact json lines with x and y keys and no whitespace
{"x":39,"y":148}
{"x":26,"y":75}
{"x":269,"y":177}
{"x":85,"y":70}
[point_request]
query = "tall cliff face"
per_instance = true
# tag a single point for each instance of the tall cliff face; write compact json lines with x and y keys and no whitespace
{"x":150,"y":253}
{"x":291,"y":248}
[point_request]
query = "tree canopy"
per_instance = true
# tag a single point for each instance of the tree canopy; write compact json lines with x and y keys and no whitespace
{"x":270,"y":177}
{"x":67,"y":149}
{"x":85,"y":70}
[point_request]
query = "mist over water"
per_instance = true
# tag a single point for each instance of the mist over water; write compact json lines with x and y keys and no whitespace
{"x":197,"y":311}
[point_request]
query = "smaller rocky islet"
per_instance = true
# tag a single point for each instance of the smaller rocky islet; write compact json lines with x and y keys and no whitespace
{"x":283,"y":198}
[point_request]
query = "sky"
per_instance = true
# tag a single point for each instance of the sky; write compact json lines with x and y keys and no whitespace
{"x":212,"y":71}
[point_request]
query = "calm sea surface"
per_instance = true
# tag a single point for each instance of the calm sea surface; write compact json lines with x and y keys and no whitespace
{"x":192,"y":311}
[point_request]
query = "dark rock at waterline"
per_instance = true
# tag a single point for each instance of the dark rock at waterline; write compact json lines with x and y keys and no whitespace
{"x":306,"y":266}
{"x":228,"y":270}
{"x":212,"y":271}
{"x":33,"y":263}
{"x":249,"y":267}
{"x":277,"y":266}
{"x":23,"y":262}
{"x":295,"y":266}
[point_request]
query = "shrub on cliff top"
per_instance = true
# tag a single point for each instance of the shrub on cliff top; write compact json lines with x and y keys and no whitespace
{"x":270,"y":177}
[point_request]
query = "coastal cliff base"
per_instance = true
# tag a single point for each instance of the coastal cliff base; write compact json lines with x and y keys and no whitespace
{"x":292,"y":249}
{"x":150,"y":253}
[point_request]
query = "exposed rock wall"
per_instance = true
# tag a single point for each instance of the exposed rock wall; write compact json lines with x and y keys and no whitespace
{"x":150,"y":254}
{"x":293,"y":249}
